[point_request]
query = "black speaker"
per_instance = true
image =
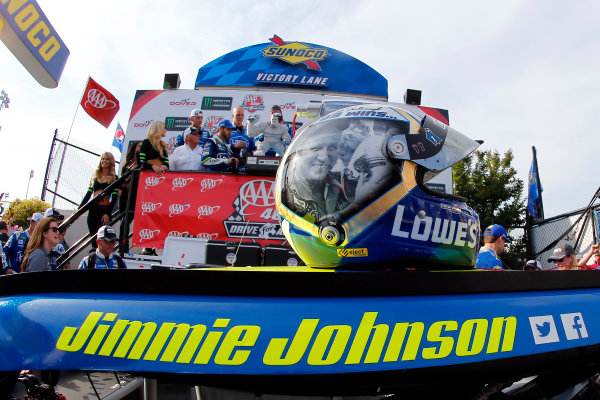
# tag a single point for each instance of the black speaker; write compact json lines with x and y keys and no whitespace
{"x":413,"y":97}
{"x":172,"y":81}
{"x":279,"y":255}
{"x":230,"y":253}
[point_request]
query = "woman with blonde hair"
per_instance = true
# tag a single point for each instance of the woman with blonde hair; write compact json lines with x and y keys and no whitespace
{"x":99,"y":214}
{"x":153,"y":152}
{"x":43,"y":240}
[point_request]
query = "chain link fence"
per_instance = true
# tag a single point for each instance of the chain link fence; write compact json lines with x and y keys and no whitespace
{"x":69,"y":172}
{"x":578,"y":229}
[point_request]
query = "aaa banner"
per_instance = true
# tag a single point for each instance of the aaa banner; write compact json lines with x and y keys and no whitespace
{"x":205,"y":205}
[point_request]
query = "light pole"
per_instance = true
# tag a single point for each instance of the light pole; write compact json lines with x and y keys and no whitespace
{"x":4,"y":101}
{"x":30,"y":176}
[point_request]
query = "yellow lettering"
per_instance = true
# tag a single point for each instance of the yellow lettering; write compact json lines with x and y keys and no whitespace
{"x":317,"y":352}
{"x":39,"y":27}
{"x":50,"y":48}
{"x":191,"y":345}
{"x":95,"y":341}
{"x":496,"y":334}
{"x":466,"y":332}
{"x":14,"y":5}
{"x":130,"y":336}
{"x":211,"y":342}
{"x":113,"y":337}
{"x":64,"y":341}
{"x":238,"y":336}
{"x":362,"y":337}
{"x":26,"y":17}
{"x":274,"y":353}
{"x":181,"y":332}
{"x":434,"y":335}
{"x":412,"y":344}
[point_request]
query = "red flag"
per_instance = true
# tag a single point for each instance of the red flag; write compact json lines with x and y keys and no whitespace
{"x":99,"y":103}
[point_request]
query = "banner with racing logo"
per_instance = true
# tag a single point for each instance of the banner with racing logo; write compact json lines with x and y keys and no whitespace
{"x":204,"y":205}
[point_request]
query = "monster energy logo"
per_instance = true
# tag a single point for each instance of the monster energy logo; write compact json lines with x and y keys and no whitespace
{"x":176,"y":123}
{"x":216,"y":103}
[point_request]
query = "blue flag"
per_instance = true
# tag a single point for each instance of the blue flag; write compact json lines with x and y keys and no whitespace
{"x":119,"y":138}
{"x":533,"y":201}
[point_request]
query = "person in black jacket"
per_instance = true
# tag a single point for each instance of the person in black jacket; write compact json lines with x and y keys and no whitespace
{"x":153,"y":152}
{"x":99,"y":214}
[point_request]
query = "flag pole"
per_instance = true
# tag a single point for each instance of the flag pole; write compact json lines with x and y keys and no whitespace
{"x":538,"y":183}
{"x":62,"y":158}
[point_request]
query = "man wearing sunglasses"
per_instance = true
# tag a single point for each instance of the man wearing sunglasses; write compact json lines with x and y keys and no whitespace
{"x":103,"y":257}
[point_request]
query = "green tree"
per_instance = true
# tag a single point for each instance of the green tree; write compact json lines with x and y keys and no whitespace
{"x":490,"y":184}
{"x":19,"y":210}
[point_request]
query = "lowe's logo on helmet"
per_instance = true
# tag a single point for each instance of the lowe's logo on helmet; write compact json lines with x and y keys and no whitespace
{"x":436,"y":230}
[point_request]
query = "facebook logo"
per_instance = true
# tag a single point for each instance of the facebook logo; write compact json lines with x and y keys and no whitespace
{"x":574,"y":326}
{"x":543,"y":329}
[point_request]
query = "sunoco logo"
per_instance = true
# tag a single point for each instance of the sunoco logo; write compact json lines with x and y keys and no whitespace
{"x":152,"y":181}
{"x":253,"y":102}
{"x":147,"y":234}
{"x":204,"y":211}
{"x":150,"y":207}
{"x":352,"y":253}
{"x":183,"y":102}
{"x":208,"y":184}
{"x":175,"y":209}
{"x":179,"y":182}
{"x":295,"y":53}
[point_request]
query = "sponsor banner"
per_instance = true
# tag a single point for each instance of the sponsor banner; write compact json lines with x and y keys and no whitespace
{"x":326,"y":335}
{"x":204,"y":205}
{"x":176,"y":123}
{"x":216,"y":103}
{"x":29,"y":35}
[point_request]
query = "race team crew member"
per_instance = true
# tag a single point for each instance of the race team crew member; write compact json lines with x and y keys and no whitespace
{"x":103,"y":257}
{"x":196,"y":119}
{"x":217,"y":154}
{"x":494,"y":238}
{"x":238,"y":135}
{"x":14,"y":249}
{"x":275,"y":133}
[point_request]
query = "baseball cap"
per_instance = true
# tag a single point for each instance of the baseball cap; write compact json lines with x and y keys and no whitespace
{"x":36,"y":217}
{"x":561,"y":252}
{"x":496,"y":230}
{"x":276,"y":108}
{"x":533,"y":265}
{"x":195,"y":112}
{"x":226,"y":124}
{"x":54,"y":213}
{"x":191,"y":129}
{"x":107,"y":233}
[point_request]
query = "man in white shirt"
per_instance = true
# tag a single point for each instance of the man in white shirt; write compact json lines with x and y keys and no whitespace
{"x":189,"y":156}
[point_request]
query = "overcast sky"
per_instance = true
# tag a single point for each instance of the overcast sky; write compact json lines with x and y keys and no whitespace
{"x":515,"y":74}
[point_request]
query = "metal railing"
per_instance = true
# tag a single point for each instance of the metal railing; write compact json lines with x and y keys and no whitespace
{"x":116,"y":216}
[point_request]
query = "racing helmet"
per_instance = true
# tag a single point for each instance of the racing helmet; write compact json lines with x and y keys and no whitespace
{"x":351,"y":191}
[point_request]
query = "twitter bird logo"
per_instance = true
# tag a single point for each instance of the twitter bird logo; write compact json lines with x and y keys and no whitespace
{"x":543,"y":329}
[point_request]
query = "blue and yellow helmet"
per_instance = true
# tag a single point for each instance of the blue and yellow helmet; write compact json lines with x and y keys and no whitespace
{"x":350,"y":191}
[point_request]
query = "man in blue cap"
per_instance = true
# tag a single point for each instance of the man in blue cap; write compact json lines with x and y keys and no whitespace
{"x":217,"y":154}
{"x":494,"y":238}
